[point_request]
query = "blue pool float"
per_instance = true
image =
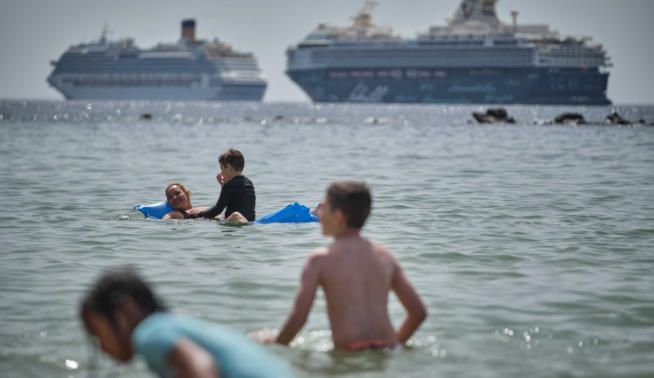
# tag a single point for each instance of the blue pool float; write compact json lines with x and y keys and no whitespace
{"x":157,"y":210}
{"x":293,"y":213}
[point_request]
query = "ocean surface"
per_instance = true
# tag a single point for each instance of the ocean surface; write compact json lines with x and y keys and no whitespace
{"x":532,"y":245}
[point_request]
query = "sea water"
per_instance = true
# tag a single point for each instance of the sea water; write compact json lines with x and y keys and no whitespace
{"x":532,"y":245}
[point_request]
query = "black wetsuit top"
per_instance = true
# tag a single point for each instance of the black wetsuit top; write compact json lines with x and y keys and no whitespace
{"x":237,"y":194}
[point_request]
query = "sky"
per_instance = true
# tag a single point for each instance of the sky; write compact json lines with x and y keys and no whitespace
{"x":35,"y":32}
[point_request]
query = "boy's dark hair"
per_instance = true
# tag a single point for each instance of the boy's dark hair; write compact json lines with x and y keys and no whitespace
{"x":234,"y":158}
{"x":353,"y":199}
{"x":112,"y":289}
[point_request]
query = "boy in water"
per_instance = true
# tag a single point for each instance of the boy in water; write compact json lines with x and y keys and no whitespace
{"x":356,"y":275}
{"x":127,"y":318}
{"x":237,"y":195}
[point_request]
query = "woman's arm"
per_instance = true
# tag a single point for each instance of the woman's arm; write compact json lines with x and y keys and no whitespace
{"x":175,"y":214}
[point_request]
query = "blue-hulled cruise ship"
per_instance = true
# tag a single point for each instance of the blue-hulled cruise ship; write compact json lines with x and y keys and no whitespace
{"x":475,"y":58}
{"x":187,"y":70}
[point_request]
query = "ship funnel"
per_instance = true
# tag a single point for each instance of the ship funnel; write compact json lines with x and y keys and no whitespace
{"x":514,"y":15}
{"x":477,"y":11}
{"x":188,"y":29}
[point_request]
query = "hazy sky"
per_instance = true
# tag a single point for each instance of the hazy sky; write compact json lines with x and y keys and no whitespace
{"x":34,"y":32}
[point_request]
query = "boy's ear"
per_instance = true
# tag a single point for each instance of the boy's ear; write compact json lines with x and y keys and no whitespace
{"x":340,"y":216}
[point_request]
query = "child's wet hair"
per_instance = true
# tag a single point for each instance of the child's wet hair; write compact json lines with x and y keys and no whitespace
{"x":353,"y":199}
{"x":112,"y":289}
{"x":234,"y":158}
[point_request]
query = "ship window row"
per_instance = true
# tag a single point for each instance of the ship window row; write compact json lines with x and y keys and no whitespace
{"x":438,"y":56}
{"x":438,"y":61}
{"x":123,"y":60}
{"x":441,"y":42}
{"x":99,"y":70}
{"x":92,"y":82}
{"x":564,"y":53}
{"x":387,"y":74}
{"x":135,"y":76}
{"x":135,"y":64}
{"x":423,"y":53}
{"x":573,"y":62}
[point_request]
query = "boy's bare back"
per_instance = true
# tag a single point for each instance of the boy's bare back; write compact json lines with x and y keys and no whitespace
{"x":356,"y":275}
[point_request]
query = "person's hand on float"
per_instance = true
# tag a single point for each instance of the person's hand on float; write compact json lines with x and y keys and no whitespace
{"x":195,"y":212}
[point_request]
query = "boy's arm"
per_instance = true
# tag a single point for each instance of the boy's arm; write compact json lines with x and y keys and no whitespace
{"x":303,"y":301}
{"x":416,"y":312}
{"x":187,"y":359}
{"x":223,"y":199}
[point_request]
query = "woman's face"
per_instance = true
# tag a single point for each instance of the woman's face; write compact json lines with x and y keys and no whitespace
{"x":178,"y":198}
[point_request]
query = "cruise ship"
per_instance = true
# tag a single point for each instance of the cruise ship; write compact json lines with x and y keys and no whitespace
{"x":474,"y":59}
{"x":189,"y":70}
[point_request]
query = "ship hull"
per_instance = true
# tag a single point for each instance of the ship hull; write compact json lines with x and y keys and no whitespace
{"x":547,"y":86}
{"x":235,"y":92}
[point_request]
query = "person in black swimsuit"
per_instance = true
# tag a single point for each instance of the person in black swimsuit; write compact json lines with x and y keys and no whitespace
{"x":180,"y":199}
{"x":237,"y":196}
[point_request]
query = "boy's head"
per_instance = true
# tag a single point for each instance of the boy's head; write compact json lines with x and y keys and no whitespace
{"x":112,"y":308}
{"x":346,"y":206}
{"x":232,"y":159}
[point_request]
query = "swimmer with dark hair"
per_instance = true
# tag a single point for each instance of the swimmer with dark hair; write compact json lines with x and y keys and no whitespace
{"x":128,"y":318}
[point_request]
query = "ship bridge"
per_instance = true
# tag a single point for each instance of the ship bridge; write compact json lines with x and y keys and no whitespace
{"x":362,"y":29}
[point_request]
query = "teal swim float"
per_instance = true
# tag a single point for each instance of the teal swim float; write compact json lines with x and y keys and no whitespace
{"x":293,"y":213}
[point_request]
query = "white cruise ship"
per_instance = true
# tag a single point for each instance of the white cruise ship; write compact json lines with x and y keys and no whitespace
{"x":188,"y":70}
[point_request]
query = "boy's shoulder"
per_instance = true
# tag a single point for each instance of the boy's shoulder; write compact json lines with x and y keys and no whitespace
{"x":238,"y":182}
{"x":381,"y":251}
{"x":345,"y":245}
{"x":318,"y":255}
{"x":241,"y":180}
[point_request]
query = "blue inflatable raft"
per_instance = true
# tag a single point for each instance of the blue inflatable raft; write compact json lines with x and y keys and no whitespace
{"x":293,"y":213}
{"x":157,"y":210}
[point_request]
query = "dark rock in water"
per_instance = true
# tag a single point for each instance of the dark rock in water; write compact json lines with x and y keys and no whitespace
{"x":570,"y":118}
{"x":278,"y":117}
{"x":499,"y":113}
{"x":146,"y":117}
{"x":616,"y":119}
{"x":493,"y":115}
